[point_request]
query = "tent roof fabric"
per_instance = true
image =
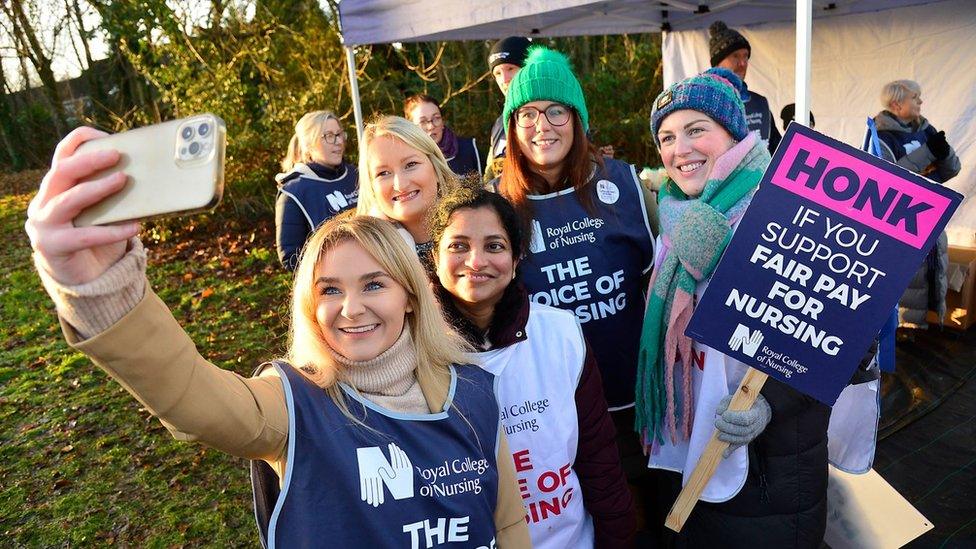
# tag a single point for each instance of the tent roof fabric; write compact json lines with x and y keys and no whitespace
{"x":386,"y":21}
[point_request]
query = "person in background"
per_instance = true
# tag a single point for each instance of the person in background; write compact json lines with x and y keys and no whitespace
{"x":366,"y":333}
{"x":770,"y":489}
{"x":540,"y":357}
{"x":730,"y":50}
{"x":788,"y":114}
{"x":461,"y":153}
{"x":402,"y":173}
{"x":591,"y":242}
{"x":909,"y":140}
{"x":315,"y":183}
{"x":504,"y":61}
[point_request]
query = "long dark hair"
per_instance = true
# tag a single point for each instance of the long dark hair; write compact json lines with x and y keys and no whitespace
{"x":518,"y":180}
{"x":469,"y":194}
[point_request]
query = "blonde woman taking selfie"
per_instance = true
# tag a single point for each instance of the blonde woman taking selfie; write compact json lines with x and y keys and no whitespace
{"x":371,"y":419}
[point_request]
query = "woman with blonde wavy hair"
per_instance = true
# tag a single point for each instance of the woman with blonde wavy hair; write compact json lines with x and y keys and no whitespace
{"x":370,"y":419}
{"x":401,"y":175}
{"x":315,"y":183}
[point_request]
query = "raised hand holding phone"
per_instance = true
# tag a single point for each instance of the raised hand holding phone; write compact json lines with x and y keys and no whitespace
{"x":75,"y":255}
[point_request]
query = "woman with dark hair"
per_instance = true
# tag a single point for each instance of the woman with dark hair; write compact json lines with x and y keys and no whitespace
{"x":548,"y":387}
{"x":461,"y":153}
{"x":591,"y":241}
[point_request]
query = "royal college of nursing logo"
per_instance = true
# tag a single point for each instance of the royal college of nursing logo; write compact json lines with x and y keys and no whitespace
{"x":537,"y":243}
{"x":745,"y":339}
{"x":375,"y":472}
{"x":337,"y":200}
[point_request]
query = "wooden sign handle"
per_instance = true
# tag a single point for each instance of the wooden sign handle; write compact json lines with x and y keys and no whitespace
{"x":745,"y":395}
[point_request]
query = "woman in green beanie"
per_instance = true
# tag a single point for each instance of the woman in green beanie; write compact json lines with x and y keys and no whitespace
{"x":771,"y":488}
{"x":591,"y":242}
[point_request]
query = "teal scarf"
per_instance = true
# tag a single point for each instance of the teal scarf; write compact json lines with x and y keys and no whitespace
{"x":695,"y":233}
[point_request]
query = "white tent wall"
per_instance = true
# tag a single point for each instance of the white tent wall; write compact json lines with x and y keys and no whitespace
{"x":852,"y":57}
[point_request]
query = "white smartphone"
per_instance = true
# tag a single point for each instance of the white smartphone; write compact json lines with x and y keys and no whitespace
{"x":173,"y":168}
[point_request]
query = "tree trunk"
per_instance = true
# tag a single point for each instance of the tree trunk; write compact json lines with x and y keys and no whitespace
{"x":9,"y":132}
{"x":32,"y":49}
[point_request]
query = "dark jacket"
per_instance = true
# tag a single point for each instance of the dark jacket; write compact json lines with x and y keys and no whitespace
{"x":784,"y":500}
{"x":309,"y":195}
{"x":760,"y":119}
{"x":605,"y":494}
{"x":467,"y":159}
{"x":905,"y":145}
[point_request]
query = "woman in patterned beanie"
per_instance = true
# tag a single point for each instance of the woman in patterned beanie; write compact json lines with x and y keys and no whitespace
{"x":771,"y":488}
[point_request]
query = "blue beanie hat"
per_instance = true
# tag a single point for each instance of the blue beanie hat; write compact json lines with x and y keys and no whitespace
{"x":715,"y":92}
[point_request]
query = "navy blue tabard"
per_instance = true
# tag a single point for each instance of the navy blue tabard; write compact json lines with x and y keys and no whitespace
{"x":467,"y":159}
{"x":321,"y":199}
{"x":758,"y":117}
{"x":402,"y":480}
{"x":591,"y":263}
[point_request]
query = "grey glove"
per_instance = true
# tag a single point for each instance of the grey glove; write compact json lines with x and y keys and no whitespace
{"x":740,"y":427}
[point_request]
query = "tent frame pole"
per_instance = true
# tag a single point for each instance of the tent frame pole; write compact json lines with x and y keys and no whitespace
{"x":804,"y":34}
{"x":354,"y":91}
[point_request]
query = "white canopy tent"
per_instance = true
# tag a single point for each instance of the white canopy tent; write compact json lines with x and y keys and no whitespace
{"x":844,"y":64}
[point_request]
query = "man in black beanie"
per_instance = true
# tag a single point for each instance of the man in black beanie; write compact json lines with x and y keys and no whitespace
{"x":731,"y":50}
{"x":504,"y":61}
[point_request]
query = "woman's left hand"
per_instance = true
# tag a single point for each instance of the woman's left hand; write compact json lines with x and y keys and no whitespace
{"x":740,"y":427}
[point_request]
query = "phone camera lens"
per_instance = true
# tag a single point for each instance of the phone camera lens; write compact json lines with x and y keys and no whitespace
{"x":194,"y":148}
{"x":203,"y":129}
{"x":187,"y":132}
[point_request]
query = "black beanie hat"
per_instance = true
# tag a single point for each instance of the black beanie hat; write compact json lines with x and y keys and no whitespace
{"x":508,"y":50}
{"x":722,"y":41}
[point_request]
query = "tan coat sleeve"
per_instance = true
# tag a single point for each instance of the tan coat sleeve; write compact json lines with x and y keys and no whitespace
{"x":151,"y":356}
{"x":511,"y":530}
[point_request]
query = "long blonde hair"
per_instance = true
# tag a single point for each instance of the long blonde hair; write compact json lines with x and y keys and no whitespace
{"x":308,"y":129}
{"x":413,"y":137}
{"x":437,"y":345}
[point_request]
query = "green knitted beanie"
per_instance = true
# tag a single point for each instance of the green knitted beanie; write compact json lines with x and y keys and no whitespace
{"x":545,"y":76}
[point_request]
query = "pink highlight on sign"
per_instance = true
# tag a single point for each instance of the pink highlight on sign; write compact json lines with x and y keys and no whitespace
{"x":859,"y":190}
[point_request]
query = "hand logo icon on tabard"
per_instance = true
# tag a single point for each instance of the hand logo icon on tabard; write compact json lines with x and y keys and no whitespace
{"x":375,"y":471}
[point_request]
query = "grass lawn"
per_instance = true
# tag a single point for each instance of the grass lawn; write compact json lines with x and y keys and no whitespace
{"x":81,"y":462}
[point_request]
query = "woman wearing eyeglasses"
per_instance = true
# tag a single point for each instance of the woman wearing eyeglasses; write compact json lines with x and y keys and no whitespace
{"x":461,"y":152}
{"x":315,"y":183}
{"x":591,"y":241}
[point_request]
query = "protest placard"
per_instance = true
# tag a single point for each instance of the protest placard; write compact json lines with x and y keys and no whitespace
{"x":828,"y":244}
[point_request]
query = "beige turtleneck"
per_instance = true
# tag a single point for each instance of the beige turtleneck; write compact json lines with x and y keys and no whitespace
{"x":390,"y":379}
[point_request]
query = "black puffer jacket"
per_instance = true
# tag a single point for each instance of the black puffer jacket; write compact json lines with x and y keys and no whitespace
{"x":784,"y":501}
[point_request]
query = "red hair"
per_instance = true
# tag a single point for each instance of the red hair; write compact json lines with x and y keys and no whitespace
{"x":519,"y":180}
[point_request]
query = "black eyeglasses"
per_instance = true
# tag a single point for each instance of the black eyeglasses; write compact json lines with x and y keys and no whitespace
{"x":556,"y":114}
{"x":333,"y":138}
{"x":434,"y":121}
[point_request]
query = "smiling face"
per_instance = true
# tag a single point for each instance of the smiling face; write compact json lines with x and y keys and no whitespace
{"x":428,"y":117}
{"x":737,"y":62}
{"x":329,"y":154}
{"x":504,"y":73}
{"x":359,"y":308}
{"x":475,"y":261}
{"x":691,"y":142}
{"x":544,"y":145}
{"x":404,"y":182}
